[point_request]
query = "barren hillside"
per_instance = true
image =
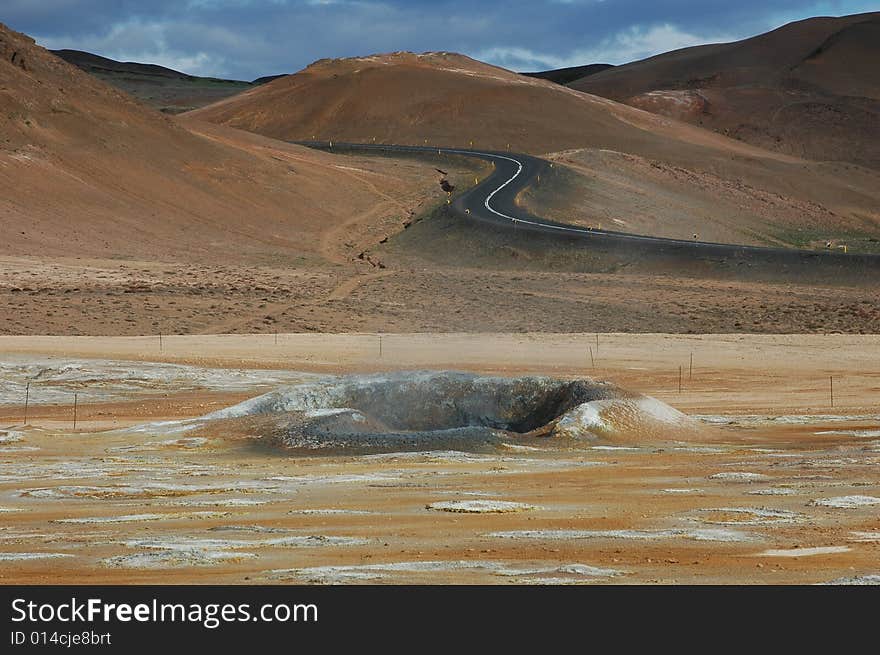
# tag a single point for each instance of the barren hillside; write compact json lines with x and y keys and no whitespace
{"x":444,"y":99}
{"x":809,"y":89}
{"x":86,"y":171}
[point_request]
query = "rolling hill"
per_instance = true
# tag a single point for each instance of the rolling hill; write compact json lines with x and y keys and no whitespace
{"x":438,"y":98}
{"x":86,"y":171}
{"x":448,"y":99}
{"x":809,"y":89}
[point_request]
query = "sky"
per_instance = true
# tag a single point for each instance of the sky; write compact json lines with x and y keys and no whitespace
{"x":245,"y":39}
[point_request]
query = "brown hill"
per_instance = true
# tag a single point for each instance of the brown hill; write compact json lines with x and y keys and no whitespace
{"x":87,"y":171}
{"x":810,"y":88}
{"x":440,"y":98}
{"x":450,"y":99}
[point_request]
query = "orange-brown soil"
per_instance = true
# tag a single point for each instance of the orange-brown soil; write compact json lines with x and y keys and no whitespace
{"x":85,"y":171}
{"x":808,"y":89}
{"x":762,"y":501}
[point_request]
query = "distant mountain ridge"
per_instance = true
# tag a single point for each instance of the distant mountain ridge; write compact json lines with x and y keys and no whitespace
{"x":570,"y":74}
{"x":160,"y":87}
{"x":809,"y":88}
{"x":92,"y":63}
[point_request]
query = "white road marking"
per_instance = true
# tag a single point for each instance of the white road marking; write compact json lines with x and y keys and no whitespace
{"x":563,"y":228}
{"x":515,"y":175}
{"x":573,"y":230}
{"x":519,"y":168}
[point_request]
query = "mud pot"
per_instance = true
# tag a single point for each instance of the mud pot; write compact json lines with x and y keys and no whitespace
{"x":536,"y":474}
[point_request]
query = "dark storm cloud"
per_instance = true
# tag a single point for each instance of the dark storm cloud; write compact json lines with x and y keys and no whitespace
{"x":248,"y":38}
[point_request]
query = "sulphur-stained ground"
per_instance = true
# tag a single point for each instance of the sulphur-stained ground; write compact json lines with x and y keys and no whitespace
{"x":782,"y":487}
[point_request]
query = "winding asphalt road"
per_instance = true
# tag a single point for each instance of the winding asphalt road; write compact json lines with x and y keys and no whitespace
{"x":493,"y":201}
